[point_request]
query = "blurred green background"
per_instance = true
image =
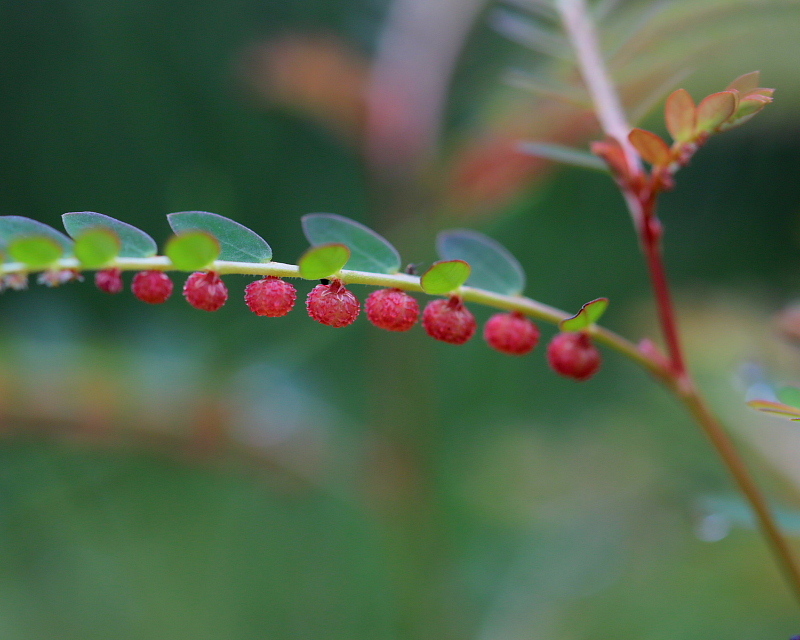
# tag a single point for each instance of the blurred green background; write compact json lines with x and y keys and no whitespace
{"x":171,"y":474}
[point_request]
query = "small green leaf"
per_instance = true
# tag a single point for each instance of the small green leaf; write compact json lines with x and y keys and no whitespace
{"x":96,"y":247}
{"x":192,"y":250}
{"x":323,"y":261}
{"x":790,"y":396}
{"x":237,"y":242}
{"x":13,"y":227}
{"x":369,"y":251}
{"x":445,"y":276}
{"x":134,"y":243}
{"x":493,"y":266}
{"x":35,"y":251}
{"x":589,"y":314}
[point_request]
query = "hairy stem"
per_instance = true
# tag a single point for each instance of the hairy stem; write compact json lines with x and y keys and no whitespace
{"x":641,"y":204}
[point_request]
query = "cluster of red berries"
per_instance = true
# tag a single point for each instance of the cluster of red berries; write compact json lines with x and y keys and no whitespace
{"x":331,"y":303}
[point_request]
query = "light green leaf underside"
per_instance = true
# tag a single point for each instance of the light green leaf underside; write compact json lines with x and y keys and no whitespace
{"x":35,"y":251}
{"x":192,"y":250}
{"x":237,"y":242}
{"x":14,"y":227}
{"x":369,"y":251}
{"x":134,"y":243}
{"x":444,"y":277}
{"x":493,"y":266}
{"x":589,"y":314}
{"x":323,"y":261}
{"x":96,"y":247}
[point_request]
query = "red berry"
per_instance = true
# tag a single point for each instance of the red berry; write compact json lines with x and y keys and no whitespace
{"x":511,"y":333}
{"x":109,"y":280}
{"x":333,"y":304}
{"x":154,"y":287}
{"x":205,"y":290}
{"x":270,"y":296}
{"x":449,"y":320}
{"x":392,"y":309}
{"x":573,"y":355}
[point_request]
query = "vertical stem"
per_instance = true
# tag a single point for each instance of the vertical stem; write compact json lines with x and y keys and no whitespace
{"x":641,"y":203}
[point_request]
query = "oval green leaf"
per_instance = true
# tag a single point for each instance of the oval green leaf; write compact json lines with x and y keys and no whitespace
{"x":13,"y":227}
{"x":494,"y":268}
{"x":237,"y":242}
{"x":35,"y":251}
{"x":134,"y":243}
{"x":192,"y":250}
{"x":96,"y":247}
{"x":589,"y":314}
{"x":369,"y":251}
{"x":323,"y":261}
{"x":444,"y":277}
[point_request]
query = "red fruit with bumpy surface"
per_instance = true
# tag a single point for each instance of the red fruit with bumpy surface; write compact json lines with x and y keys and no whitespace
{"x":392,"y":309}
{"x":270,"y":297}
{"x":573,"y":355}
{"x":333,"y":304}
{"x":449,"y":321}
{"x":205,"y":290}
{"x":511,"y":333}
{"x":109,"y":280}
{"x":153,"y":287}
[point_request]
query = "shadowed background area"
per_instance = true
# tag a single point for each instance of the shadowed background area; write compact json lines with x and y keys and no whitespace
{"x":167,"y":473}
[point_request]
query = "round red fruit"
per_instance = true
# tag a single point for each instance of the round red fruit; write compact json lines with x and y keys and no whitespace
{"x":109,"y":280}
{"x":205,"y":290}
{"x":153,"y":287}
{"x":449,"y":321}
{"x":333,"y":304}
{"x":392,"y":309}
{"x":573,"y":355}
{"x":270,"y":297}
{"x":511,"y":333}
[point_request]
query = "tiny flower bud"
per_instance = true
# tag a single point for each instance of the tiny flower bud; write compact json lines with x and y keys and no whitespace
{"x":109,"y":280}
{"x":511,"y":333}
{"x":392,"y":309}
{"x":57,"y":277}
{"x":153,"y":287}
{"x":18,"y":281}
{"x":573,"y":355}
{"x":205,"y":290}
{"x":270,"y":297}
{"x":449,"y":320}
{"x":332,"y":304}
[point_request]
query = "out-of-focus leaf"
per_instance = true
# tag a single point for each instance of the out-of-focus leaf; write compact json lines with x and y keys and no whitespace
{"x":96,"y":247}
{"x":565,"y":155}
{"x":778,"y":409}
{"x":589,"y":314}
{"x":369,"y":251}
{"x":323,"y":261}
{"x":134,"y":243}
{"x":445,"y":276}
{"x":492,"y":266}
{"x":192,"y":250}
{"x":237,"y":242}
{"x":13,"y":227}
{"x":790,"y":396}
{"x":714,"y":110}
{"x":35,"y":251}
{"x":745,"y":82}
{"x":680,"y":115}
{"x":651,"y":146}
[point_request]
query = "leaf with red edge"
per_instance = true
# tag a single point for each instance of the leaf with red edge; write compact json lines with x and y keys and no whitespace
{"x":651,"y":147}
{"x":589,"y":314}
{"x":680,"y":115}
{"x":715,"y":109}
{"x":612,"y":152}
{"x":745,"y":83}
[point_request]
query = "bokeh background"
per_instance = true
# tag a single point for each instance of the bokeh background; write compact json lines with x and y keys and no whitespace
{"x":171,"y":474}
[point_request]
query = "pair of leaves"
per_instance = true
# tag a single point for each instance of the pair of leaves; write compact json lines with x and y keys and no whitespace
{"x":467,"y":256}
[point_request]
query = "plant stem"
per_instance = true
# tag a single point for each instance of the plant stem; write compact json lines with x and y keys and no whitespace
{"x":641,"y":205}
